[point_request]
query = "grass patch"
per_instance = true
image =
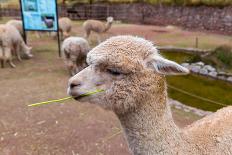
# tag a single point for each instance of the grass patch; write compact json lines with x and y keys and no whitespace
{"x":215,"y":90}
{"x":224,"y":55}
{"x":177,"y":56}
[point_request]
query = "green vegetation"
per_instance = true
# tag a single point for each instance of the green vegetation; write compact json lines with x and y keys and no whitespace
{"x":224,"y":55}
{"x":198,"y":85}
{"x":221,"y":58}
{"x":178,"y":57}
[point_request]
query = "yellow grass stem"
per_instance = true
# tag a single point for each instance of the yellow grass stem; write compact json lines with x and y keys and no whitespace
{"x":65,"y":98}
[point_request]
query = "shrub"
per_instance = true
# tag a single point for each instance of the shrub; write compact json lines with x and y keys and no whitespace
{"x":224,"y":54}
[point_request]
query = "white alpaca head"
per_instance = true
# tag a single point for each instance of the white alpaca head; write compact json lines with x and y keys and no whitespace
{"x":110,"y":19}
{"x":128,"y":68}
{"x":28,"y":51}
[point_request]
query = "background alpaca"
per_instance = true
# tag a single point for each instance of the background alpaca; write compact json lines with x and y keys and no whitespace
{"x":65,"y":27}
{"x":131,"y":72}
{"x":74,"y":50}
{"x":97,"y":26}
{"x":11,"y":38}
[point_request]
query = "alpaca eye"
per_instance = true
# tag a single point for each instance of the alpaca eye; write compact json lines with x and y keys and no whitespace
{"x":114,"y":72}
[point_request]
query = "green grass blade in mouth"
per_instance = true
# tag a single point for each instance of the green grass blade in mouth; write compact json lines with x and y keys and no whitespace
{"x":66,"y":98}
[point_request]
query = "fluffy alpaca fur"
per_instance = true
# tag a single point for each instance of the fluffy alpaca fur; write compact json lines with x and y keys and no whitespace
{"x":11,"y":38}
{"x":17,"y":24}
{"x":131,"y":72}
{"x":74,"y":50}
{"x":97,"y":26}
{"x":65,"y":27}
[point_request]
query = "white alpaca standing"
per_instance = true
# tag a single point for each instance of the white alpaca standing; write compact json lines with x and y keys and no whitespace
{"x":132,"y":74}
{"x":65,"y":27}
{"x":74,"y":50}
{"x":97,"y":27}
{"x":11,"y":38}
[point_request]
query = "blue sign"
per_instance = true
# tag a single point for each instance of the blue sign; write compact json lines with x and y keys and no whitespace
{"x":40,"y":15}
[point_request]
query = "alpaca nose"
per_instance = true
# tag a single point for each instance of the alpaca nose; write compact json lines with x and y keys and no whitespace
{"x":74,"y":87}
{"x":75,"y":84}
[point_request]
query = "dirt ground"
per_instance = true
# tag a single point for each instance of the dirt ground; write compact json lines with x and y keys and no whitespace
{"x":70,"y":128}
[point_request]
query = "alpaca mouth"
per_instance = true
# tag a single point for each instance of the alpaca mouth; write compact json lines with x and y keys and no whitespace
{"x":87,"y":94}
{"x":79,"y":97}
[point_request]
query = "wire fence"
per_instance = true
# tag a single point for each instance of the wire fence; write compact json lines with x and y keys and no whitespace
{"x":82,"y":12}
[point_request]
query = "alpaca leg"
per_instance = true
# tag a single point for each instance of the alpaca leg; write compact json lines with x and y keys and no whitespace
{"x":87,"y":33}
{"x":2,"y":63}
{"x":38,"y":34}
{"x":11,"y":63}
{"x":98,"y":38}
{"x":48,"y":34}
{"x":17,"y":51}
{"x":61,"y":35}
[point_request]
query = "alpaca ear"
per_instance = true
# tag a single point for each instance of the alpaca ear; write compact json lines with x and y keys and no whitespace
{"x":164,"y":66}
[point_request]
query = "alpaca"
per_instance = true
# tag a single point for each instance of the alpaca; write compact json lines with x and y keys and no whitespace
{"x":97,"y":26}
{"x":17,"y":24}
{"x":74,"y":50}
{"x":11,"y":38}
{"x":65,"y":27}
{"x":132,"y":73}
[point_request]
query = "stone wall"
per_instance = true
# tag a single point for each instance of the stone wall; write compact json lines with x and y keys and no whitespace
{"x":198,"y":18}
{"x":190,"y":17}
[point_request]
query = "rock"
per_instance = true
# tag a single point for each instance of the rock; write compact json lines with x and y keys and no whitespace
{"x":222,"y":73}
{"x":200,"y":63}
{"x":229,"y":79}
{"x":203,"y":71}
{"x":213,"y":74}
{"x":185,"y":64}
{"x":209,"y":68}
{"x":222,"y":77}
{"x":186,"y":110}
{"x":195,"y":69}
{"x":178,"y":107}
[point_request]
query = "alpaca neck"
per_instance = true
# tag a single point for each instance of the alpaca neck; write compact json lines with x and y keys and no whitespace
{"x":107,"y":26}
{"x":150,"y":129}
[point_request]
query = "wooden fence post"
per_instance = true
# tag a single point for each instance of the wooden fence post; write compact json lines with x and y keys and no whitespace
{"x":196,"y":42}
